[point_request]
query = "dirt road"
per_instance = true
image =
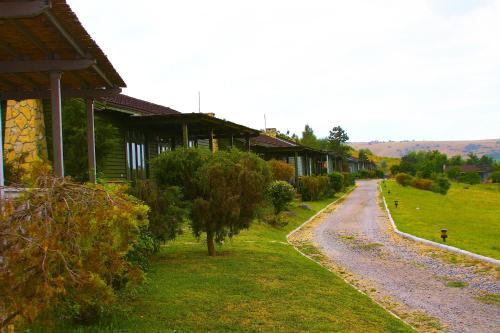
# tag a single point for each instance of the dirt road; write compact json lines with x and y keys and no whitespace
{"x":357,"y":237}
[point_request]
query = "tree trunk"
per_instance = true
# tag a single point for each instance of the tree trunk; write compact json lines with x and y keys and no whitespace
{"x":210,"y":243}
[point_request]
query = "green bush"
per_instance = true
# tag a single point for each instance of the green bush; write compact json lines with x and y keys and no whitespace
{"x":167,"y":210}
{"x":453,"y":172}
{"x":280,"y":193}
{"x":349,"y":179}
{"x":441,"y":184}
{"x":404,"y":179}
{"x":495,"y":177}
{"x":336,"y":181}
{"x":422,"y":184}
{"x":313,"y":187}
{"x":470,"y":178}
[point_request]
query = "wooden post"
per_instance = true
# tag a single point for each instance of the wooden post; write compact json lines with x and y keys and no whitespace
{"x":2,"y":180}
{"x":57,"y":141}
{"x":89,"y":106}
{"x":247,"y":142}
{"x":185,"y":136}
{"x":232,"y":141}
{"x":296,"y":162}
{"x":211,"y":145}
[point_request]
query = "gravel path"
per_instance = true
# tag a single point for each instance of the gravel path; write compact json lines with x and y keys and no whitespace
{"x":358,"y":238}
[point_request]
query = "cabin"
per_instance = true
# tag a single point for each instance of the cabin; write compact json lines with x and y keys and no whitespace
{"x":147,"y":129}
{"x":484,"y":171}
{"x":306,"y":161}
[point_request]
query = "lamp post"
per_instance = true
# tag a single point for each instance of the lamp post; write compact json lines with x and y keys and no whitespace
{"x":396,"y":203}
{"x":444,"y":234}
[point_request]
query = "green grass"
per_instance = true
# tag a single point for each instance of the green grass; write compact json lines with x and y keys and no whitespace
{"x":258,"y":282}
{"x":456,"y":284}
{"x":471,"y":213}
{"x":489,"y":299}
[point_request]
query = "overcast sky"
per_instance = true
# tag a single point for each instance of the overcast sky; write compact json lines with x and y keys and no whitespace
{"x":383,"y":70}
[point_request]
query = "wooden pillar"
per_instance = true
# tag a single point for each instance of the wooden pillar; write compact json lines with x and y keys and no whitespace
{"x":232,"y":141}
{"x":211,"y":145}
{"x":89,"y":106}
{"x":57,"y":141}
{"x":296,"y":162}
{"x":185,"y":136}
{"x":2,"y":180}
{"x":247,"y":142}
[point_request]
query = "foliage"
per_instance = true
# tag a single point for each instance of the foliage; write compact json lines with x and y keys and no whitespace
{"x":337,"y":141}
{"x":425,"y":163}
{"x":470,"y":178}
{"x":336,"y":181}
{"x":75,"y":138}
{"x":64,"y":249}
{"x":231,"y":187}
{"x":404,"y":179}
{"x":167,"y":211}
{"x":395,"y":169}
{"x":179,"y":168}
{"x":287,"y":136}
{"x":422,"y":184}
{"x":280,"y":193}
{"x":222,"y":190}
{"x":364,"y":155}
{"x":453,"y":172}
{"x":13,"y":169}
{"x":309,"y":139}
{"x":281,"y":170}
{"x":441,"y":184}
{"x":495,"y":177}
{"x":370,"y":173}
{"x":313,"y":188}
{"x":349,"y":179}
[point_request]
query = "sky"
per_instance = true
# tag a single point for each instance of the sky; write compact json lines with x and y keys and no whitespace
{"x":380,"y":69}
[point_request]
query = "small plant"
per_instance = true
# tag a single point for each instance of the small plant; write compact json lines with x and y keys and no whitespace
{"x":456,"y":284}
{"x":281,"y":170}
{"x":313,"y":187}
{"x":495,"y":177}
{"x":336,"y":181}
{"x":422,"y":184}
{"x":404,"y":179}
{"x":280,"y":193}
{"x":441,"y":184}
{"x":470,"y":178}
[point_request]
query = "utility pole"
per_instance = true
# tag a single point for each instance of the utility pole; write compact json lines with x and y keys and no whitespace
{"x":199,"y":102}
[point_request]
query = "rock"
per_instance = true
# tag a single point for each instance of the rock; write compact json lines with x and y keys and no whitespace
{"x":305,"y":206}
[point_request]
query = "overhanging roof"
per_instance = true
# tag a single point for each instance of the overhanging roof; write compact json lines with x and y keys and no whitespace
{"x":268,"y":144}
{"x":199,"y":125}
{"x":42,"y":36}
{"x":134,"y":105}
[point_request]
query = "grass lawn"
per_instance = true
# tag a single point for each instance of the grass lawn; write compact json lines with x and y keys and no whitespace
{"x":258,"y":282}
{"x":471,"y":215}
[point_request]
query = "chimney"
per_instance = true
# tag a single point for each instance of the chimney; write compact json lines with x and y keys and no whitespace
{"x":272,"y":132}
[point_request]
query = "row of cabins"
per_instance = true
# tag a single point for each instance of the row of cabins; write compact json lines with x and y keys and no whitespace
{"x":46,"y":55}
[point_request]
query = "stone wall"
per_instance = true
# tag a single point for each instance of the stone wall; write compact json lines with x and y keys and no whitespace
{"x":24,"y":139}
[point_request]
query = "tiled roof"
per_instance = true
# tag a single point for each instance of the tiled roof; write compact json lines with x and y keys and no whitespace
{"x":475,"y":168}
{"x":268,"y":141}
{"x":138,"y":105}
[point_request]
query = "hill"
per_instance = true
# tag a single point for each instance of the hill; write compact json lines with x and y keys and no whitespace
{"x":400,"y":148}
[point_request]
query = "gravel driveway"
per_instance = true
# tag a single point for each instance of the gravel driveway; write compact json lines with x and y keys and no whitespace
{"x":357,"y":238}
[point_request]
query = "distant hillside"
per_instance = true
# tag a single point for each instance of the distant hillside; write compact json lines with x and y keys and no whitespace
{"x":400,"y":148}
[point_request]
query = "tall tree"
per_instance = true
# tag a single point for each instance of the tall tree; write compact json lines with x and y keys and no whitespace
{"x":337,"y":141}
{"x":364,"y":154}
{"x":309,"y":139}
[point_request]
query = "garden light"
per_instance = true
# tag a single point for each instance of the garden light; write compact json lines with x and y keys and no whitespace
{"x":443,"y":234}
{"x":396,"y":202}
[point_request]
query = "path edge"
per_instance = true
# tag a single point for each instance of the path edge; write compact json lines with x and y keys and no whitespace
{"x":312,"y":218}
{"x":434,"y":244}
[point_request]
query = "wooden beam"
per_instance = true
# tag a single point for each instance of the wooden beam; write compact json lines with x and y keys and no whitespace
{"x":20,"y":9}
{"x":185,"y":136}
{"x":28,"y":66}
{"x":29,"y":36}
{"x":45,"y":93}
{"x":57,"y":141}
{"x":296,"y":162}
{"x":89,"y":106}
